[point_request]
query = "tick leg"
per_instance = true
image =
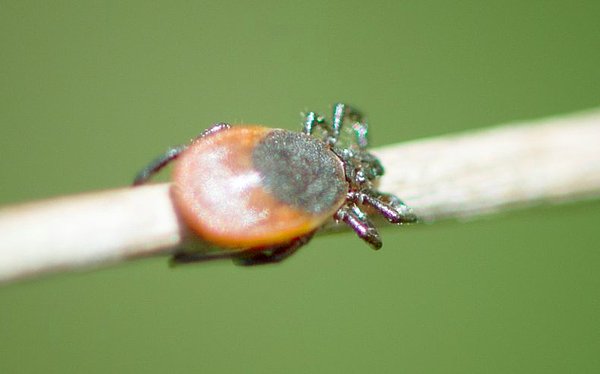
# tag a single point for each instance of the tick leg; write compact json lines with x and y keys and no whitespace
{"x":343,"y":112}
{"x":220,"y":126}
{"x":358,"y":221}
{"x":390,"y":207}
{"x":311,"y":120}
{"x":273,"y":254}
{"x":371,"y":165}
{"x":361,"y":131}
{"x":406,"y":213}
{"x":181,"y":258}
{"x":157,"y":164}
{"x":172,"y":153}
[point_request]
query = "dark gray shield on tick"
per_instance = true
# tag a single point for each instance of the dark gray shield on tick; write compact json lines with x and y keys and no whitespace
{"x":299,"y":170}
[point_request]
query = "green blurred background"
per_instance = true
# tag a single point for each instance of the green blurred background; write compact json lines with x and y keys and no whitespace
{"x":90,"y":91}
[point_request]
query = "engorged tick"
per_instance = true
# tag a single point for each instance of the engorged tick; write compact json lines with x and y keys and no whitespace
{"x":259,"y":194}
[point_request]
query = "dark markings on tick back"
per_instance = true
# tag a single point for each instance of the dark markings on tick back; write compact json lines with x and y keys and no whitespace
{"x":300,"y":170}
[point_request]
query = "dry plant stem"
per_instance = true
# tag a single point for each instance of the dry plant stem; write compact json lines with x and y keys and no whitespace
{"x":485,"y":171}
{"x":86,"y":230}
{"x":467,"y":175}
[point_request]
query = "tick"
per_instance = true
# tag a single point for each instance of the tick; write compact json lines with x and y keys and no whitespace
{"x":259,"y":194}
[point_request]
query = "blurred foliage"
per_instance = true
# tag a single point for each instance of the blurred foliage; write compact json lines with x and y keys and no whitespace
{"x":90,"y":91}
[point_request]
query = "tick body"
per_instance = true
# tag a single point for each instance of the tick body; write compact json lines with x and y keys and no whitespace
{"x":252,"y":186}
{"x":260,"y":193}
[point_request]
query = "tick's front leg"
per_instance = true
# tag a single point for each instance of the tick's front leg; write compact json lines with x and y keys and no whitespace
{"x":388,"y":205}
{"x":355,"y":218}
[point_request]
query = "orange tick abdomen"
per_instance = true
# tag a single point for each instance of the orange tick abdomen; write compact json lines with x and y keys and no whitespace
{"x":252,"y":186}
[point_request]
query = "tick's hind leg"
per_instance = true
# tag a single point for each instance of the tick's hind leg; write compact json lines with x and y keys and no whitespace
{"x":358,"y":221}
{"x":157,"y":164}
{"x":216,"y":127}
{"x":171,"y":154}
{"x":272,"y":255}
